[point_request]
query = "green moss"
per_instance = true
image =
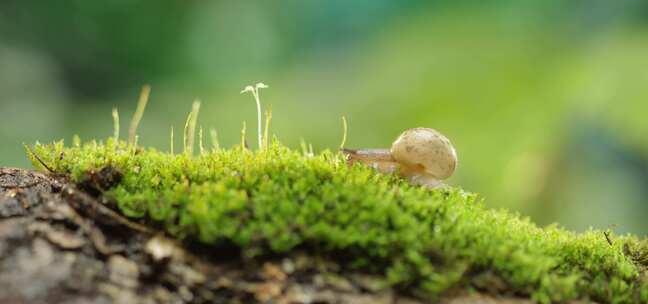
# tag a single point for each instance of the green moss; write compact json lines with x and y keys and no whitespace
{"x":276,"y":200}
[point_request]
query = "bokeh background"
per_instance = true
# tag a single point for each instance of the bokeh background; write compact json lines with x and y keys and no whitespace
{"x":546,"y":101}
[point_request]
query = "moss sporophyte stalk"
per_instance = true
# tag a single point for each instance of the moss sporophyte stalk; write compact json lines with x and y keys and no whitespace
{"x":428,"y":241}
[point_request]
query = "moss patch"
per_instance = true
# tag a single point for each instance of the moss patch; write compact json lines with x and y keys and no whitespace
{"x":426,"y":241}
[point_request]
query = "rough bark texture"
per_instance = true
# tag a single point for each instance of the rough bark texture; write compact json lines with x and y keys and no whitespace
{"x":59,"y":244}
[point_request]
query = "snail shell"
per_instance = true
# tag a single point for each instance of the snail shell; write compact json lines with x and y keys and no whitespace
{"x":422,"y":155}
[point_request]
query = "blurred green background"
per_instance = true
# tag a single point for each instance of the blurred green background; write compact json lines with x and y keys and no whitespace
{"x":545,"y":101}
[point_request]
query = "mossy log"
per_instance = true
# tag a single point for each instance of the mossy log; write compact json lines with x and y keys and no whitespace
{"x":118,"y":222}
{"x":57,"y":245}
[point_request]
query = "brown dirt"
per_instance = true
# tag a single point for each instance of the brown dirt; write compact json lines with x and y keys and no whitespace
{"x":59,"y":244}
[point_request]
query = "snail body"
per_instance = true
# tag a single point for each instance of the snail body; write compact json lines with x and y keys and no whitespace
{"x":423,"y":156}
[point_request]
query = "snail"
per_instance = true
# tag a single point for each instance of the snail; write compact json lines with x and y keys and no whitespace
{"x":421,"y":155}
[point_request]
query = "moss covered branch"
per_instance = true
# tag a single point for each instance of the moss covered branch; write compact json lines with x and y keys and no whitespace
{"x":426,"y":242}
